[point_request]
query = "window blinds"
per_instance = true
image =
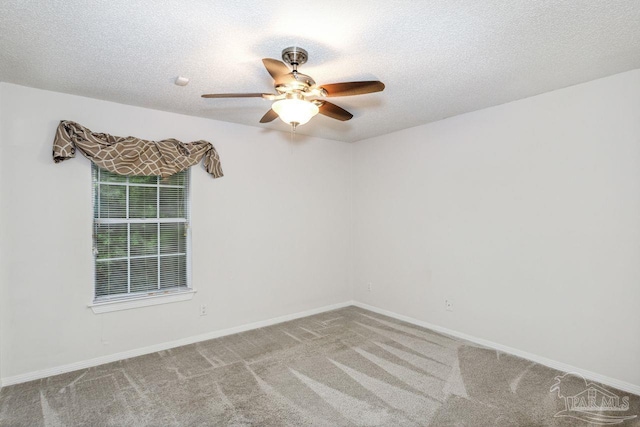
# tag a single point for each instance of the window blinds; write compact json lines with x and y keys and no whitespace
{"x":141,"y":234}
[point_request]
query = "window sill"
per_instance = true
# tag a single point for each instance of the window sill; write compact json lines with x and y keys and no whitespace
{"x":143,"y":301}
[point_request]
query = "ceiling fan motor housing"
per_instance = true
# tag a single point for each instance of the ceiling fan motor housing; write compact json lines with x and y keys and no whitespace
{"x":293,"y":82}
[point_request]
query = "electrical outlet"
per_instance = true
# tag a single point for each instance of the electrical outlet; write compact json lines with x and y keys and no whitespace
{"x":203,"y":310}
{"x":369,"y":287}
{"x":448,"y":305}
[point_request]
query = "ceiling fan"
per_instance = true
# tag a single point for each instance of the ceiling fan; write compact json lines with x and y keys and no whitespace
{"x":296,"y":97}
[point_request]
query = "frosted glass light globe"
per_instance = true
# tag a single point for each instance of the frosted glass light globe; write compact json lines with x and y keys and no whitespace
{"x":295,"y":111}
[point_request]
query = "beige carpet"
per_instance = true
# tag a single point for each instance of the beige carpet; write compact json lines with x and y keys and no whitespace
{"x":348,"y":367}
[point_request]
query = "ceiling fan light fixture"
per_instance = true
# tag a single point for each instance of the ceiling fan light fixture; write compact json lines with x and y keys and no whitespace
{"x":296,"y":93}
{"x":295,"y":111}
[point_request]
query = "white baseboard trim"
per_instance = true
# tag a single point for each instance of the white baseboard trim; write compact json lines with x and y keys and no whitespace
{"x":36,"y":375}
{"x":612,"y":382}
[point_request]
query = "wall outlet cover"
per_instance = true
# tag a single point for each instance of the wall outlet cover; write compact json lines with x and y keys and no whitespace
{"x":448,"y":305}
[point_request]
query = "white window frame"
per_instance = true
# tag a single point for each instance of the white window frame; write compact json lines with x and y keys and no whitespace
{"x":105,"y":304}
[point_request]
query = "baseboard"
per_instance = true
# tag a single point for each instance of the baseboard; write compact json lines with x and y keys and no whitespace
{"x":612,"y":382}
{"x":30,"y":376}
{"x":36,"y":375}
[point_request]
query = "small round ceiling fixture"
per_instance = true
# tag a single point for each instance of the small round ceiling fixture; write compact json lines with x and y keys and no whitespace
{"x":181,"y":81}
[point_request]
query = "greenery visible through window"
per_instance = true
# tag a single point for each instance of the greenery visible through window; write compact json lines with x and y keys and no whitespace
{"x":141,"y":227}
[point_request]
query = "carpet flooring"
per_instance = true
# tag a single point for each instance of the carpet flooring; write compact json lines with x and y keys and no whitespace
{"x":347,"y":367}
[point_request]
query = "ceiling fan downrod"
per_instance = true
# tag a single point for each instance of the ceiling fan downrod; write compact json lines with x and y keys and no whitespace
{"x":294,"y":56}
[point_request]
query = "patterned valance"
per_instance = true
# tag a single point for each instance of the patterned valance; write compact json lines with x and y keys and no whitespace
{"x":133,"y":156}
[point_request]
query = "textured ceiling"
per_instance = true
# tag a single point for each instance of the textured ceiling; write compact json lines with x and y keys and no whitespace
{"x":437,"y":58}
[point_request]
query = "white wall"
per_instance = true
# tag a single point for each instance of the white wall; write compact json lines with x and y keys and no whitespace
{"x":270,"y":238}
{"x":2,"y":238}
{"x":525,"y":215}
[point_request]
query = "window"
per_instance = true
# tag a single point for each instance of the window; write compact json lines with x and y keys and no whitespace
{"x":141,"y":235}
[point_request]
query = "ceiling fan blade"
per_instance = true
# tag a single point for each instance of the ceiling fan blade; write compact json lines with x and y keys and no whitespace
{"x":275,"y":68}
{"x":236,"y":95}
{"x":353,"y":88}
{"x":269,"y":116}
{"x":335,"y":112}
